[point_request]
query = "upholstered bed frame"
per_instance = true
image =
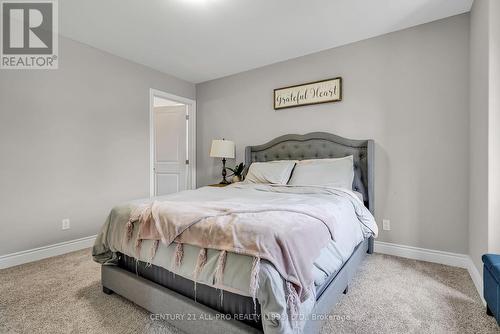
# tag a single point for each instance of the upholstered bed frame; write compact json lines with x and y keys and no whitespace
{"x":322,"y":145}
{"x":318,"y":145}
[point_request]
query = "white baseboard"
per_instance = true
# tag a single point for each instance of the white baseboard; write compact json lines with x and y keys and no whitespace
{"x":435,"y":256}
{"x":35,"y":254}
{"x":423,"y":254}
{"x":476,"y":278}
{"x":416,"y":253}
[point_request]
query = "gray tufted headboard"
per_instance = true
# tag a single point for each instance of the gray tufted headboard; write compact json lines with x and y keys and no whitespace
{"x":322,"y":145}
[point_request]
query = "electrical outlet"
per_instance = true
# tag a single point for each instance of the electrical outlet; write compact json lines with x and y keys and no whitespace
{"x":65,"y":224}
{"x":386,"y":224}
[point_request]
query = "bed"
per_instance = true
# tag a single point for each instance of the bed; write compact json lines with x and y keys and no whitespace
{"x":187,"y":303}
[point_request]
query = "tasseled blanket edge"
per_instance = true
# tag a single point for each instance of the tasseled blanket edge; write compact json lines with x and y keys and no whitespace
{"x":138,"y":244}
{"x":292,"y":302}
{"x":152,"y":252}
{"x":254,"y":282}
{"x":178,"y":255}
{"x":219,"y":269}
{"x":219,"y":273}
{"x":200,"y":263}
{"x":129,"y":230}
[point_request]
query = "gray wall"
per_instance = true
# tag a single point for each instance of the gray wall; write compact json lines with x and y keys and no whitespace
{"x":407,"y":90}
{"x":73,"y":143}
{"x":484,"y":200}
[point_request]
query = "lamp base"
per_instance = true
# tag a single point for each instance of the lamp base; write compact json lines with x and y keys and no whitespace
{"x":224,"y":173}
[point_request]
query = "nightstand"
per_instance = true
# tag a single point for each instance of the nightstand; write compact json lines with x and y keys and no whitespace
{"x":218,"y":185}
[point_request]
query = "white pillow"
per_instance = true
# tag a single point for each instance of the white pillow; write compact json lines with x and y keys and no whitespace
{"x":324,"y":172}
{"x":275,"y":172}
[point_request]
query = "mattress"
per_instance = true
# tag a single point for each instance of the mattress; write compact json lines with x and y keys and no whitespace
{"x":230,"y":303}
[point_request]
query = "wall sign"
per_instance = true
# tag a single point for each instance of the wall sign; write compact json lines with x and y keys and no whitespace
{"x":323,"y":91}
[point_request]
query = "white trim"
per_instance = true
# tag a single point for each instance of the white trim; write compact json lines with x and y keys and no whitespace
{"x":192,"y":144}
{"x":415,"y":253}
{"x":476,"y":278}
{"x":35,"y":254}
{"x":422,"y":254}
{"x":435,"y":256}
{"x":191,"y":112}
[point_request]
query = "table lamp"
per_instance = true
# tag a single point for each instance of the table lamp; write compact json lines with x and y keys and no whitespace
{"x":222,"y":149}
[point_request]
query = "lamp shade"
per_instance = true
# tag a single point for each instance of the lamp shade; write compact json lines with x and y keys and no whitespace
{"x":222,"y":149}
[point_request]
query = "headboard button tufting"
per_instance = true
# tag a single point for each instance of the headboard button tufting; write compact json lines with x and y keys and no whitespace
{"x":319,"y":146}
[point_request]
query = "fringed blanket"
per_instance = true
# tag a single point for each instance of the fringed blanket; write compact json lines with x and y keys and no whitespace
{"x":289,"y":236}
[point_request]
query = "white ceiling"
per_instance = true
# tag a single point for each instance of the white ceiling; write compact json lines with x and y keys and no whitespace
{"x":200,"y":40}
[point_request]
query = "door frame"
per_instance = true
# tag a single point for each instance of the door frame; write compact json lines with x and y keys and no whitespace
{"x":191,"y":144}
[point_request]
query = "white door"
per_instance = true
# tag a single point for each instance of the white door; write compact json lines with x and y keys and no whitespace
{"x":170,"y":163}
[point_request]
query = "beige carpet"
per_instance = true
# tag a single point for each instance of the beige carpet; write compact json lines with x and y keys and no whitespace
{"x":389,"y":295}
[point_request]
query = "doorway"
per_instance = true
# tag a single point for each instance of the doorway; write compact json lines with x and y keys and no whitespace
{"x":172,"y":143}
